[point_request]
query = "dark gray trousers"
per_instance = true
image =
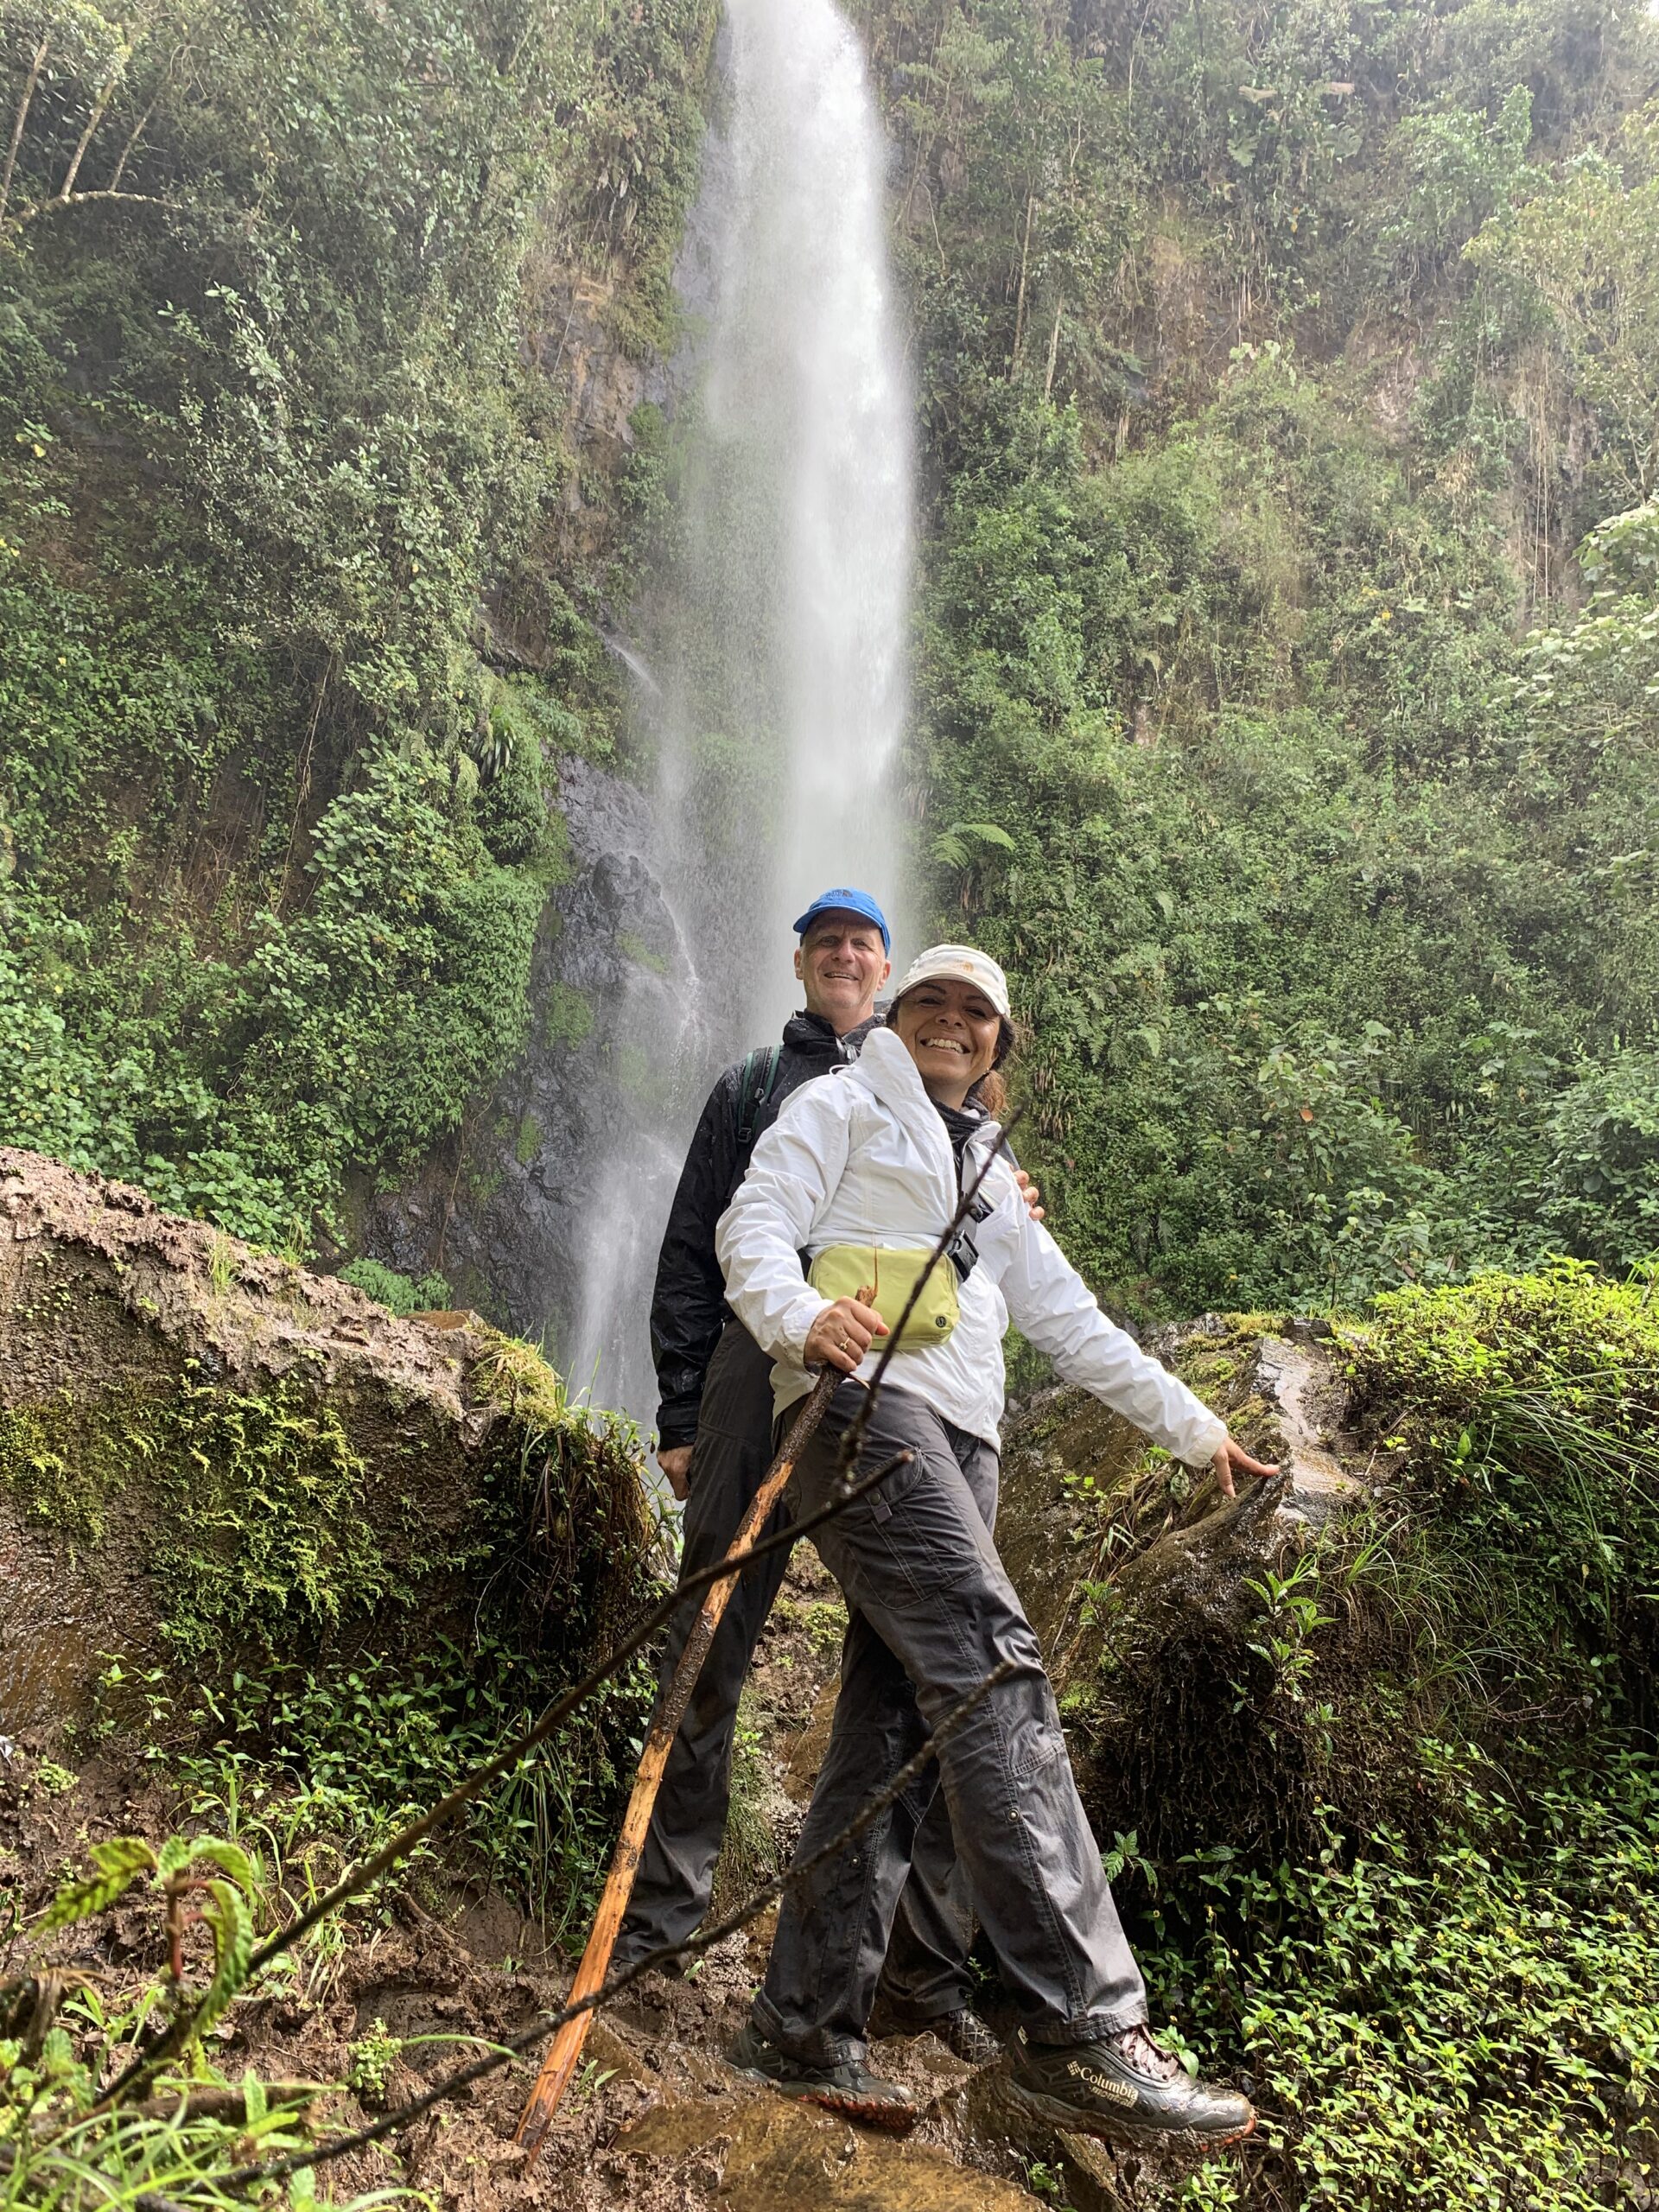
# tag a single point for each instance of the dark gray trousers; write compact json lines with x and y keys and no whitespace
{"x":932,"y":1612}
{"x":932,"y":1926}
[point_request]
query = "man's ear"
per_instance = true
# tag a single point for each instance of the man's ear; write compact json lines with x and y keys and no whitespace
{"x":887,"y":970}
{"x":800,"y":972}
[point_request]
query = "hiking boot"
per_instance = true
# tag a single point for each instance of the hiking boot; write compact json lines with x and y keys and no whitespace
{"x":849,"y":2088}
{"x":963,"y":2034}
{"x":1127,"y":2088}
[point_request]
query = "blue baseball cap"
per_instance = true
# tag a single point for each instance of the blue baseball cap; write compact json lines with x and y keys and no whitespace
{"x":843,"y":901}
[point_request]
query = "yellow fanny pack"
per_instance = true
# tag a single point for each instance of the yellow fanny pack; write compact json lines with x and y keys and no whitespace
{"x":844,"y":1270}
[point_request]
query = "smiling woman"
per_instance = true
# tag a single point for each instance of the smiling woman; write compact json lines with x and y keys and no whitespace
{"x":853,"y":1182}
{"x":954,"y":1020}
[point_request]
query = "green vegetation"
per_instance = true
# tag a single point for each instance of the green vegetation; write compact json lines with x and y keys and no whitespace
{"x":1287,"y":694}
{"x":1285,"y":381}
{"x":71,"y":2026}
{"x":1472,"y":2029}
{"x":399,"y":1294}
{"x":1393,"y":1834}
{"x":275,"y":829}
{"x":569,"y":1017}
{"x":250,"y":1506}
{"x":323,"y":1764}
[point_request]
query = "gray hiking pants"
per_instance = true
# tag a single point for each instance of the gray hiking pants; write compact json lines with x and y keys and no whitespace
{"x":933,"y":1926}
{"x":932,"y":1612}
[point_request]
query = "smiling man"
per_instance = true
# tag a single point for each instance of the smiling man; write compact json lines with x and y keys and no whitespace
{"x":714,"y":1430}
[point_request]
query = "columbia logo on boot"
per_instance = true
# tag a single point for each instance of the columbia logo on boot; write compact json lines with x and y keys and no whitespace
{"x":1120,"y":2092}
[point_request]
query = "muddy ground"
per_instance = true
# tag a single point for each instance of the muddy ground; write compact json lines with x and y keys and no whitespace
{"x":656,"y":2122}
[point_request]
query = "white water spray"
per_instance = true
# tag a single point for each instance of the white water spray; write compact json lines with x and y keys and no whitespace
{"x":779,"y":645}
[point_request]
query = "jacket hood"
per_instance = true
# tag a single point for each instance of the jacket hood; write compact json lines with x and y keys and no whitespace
{"x":888,"y":1071}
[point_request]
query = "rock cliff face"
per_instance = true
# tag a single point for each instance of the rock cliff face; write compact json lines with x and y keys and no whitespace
{"x":205,"y":1451}
{"x":507,"y":1212}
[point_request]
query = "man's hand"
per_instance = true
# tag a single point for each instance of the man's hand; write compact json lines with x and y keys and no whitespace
{"x":676,"y":1463}
{"x":843,"y":1333}
{"x":1030,"y":1194}
{"x":1232,"y":1454}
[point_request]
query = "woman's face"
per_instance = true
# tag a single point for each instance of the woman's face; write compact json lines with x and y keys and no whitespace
{"x":951,"y":1031}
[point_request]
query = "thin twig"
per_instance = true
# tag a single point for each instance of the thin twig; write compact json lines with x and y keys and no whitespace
{"x":705,"y":1940}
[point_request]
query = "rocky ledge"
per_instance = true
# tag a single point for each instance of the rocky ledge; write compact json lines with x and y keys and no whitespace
{"x":207,"y":1450}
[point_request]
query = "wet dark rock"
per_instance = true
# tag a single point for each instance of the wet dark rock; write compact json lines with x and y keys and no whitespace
{"x":507,"y":1215}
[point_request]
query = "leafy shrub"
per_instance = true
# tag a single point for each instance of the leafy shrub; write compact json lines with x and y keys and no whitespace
{"x":1531,"y":1404}
{"x":399,"y":1293}
{"x":1478,"y":2031}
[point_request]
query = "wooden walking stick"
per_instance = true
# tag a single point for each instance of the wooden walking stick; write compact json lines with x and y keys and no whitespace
{"x":566,"y":2047}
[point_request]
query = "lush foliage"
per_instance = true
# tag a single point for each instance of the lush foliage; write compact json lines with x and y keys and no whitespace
{"x":1475,"y":2031}
{"x":275,"y":828}
{"x":322,"y":1764}
{"x":1530,"y":1408}
{"x":1394,"y":1832}
{"x":1272,"y":369}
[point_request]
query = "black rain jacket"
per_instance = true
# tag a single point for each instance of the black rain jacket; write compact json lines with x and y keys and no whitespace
{"x":688,"y":1308}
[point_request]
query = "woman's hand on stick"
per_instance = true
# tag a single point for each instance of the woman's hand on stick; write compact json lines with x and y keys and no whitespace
{"x":842,"y":1334}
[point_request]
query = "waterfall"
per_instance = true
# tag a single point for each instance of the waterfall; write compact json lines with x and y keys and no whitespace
{"x":776,"y":641}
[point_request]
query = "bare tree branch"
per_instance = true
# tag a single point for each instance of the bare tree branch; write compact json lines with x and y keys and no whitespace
{"x":39,"y":207}
{"x":100,"y":106}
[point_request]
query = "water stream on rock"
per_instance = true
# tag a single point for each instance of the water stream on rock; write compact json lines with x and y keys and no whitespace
{"x":769,"y":666}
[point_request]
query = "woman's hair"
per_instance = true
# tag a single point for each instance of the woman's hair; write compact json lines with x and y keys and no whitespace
{"x":991,"y":1091}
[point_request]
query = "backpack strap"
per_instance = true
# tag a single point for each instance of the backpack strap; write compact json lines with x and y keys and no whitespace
{"x":754,"y":1089}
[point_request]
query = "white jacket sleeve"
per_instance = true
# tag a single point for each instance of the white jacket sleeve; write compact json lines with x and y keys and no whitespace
{"x":795,"y":1165}
{"x":1050,"y":1302}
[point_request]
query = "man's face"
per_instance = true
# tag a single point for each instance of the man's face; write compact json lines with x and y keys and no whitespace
{"x":841,"y":966}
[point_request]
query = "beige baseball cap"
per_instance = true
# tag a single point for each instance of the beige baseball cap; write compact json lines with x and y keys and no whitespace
{"x":964,"y":965}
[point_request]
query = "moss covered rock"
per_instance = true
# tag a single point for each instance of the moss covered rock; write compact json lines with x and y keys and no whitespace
{"x":208,"y":1453}
{"x":1179,"y":1625}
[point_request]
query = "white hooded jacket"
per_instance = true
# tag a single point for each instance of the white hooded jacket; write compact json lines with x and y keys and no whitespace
{"x":862,"y":1157}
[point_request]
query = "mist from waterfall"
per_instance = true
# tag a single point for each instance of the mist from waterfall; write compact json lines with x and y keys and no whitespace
{"x":776,"y":645}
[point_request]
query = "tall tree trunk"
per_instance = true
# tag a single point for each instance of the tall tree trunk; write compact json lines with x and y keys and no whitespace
{"x":79,"y":155}
{"x":1020,"y":302}
{"x":34,"y":69}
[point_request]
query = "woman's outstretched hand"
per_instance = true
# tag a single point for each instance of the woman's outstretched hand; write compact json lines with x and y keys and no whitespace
{"x":842,"y":1335}
{"x":1231,"y":1455}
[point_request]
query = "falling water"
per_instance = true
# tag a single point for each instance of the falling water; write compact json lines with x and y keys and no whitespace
{"x":776,"y":642}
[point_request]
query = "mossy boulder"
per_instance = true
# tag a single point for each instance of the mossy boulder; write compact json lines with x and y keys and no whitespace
{"x":1156,"y":1598}
{"x":208,"y":1454}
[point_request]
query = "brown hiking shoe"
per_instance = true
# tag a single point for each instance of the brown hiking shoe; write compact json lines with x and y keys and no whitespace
{"x":961,"y":2031}
{"x":1127,"y":2088}
{"x":849,"y":2088}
